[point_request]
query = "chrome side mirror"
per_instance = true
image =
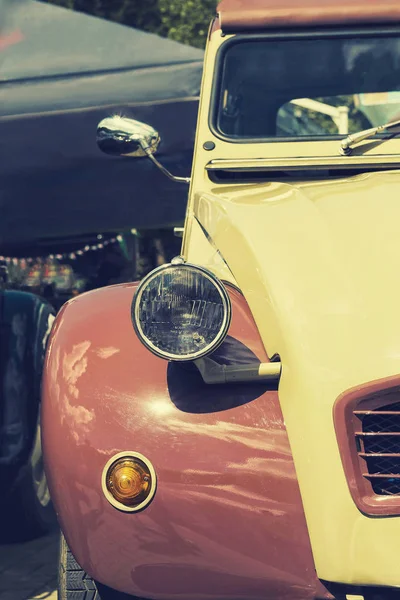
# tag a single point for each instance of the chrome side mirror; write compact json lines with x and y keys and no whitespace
{"x":121,"y":136}
{"x":125,"y":137}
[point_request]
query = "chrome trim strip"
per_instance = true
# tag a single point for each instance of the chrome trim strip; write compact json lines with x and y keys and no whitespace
{"x":300,"y":163}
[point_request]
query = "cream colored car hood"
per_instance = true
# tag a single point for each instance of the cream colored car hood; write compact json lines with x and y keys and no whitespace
{"x":319,"y":264}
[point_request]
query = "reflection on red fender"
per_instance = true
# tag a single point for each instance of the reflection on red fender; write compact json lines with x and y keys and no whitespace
{"x":226,"y":520}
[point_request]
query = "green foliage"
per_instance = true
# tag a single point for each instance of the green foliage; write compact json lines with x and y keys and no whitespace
{"x":185,"y":21}
{"x":143,"y":14}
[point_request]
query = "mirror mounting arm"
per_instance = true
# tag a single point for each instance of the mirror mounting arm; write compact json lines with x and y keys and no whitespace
{"x":153,"y":159}
{"x":126,"y":137}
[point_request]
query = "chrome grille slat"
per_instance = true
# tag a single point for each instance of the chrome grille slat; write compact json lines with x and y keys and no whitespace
{"x":379,"y":446}
{"x":375,"y":433}
{"x":380,"y":476}
{"x":376,"y":412}
{"x":379,"y":455}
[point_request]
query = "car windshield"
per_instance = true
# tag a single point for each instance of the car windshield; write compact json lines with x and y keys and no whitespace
{"x":321,"y":87}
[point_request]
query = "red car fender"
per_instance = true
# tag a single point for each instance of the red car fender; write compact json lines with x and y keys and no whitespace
{"x":227,"y":519}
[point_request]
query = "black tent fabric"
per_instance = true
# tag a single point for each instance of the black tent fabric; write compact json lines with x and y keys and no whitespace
{"x":62,"y":72}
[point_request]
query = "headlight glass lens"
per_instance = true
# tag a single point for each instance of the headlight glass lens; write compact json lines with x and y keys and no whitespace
{"x":181,"y":312}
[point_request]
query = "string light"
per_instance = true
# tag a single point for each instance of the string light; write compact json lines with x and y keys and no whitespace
{"x":66,"y":255}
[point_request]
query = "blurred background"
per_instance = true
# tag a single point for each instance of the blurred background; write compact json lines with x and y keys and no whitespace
{"x":71,"y":218}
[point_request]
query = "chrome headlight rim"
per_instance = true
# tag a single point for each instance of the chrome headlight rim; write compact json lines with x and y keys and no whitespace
{"x":210,"y":348}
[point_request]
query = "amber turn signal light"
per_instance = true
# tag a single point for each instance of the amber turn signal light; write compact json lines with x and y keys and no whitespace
{"x":129,"y":481}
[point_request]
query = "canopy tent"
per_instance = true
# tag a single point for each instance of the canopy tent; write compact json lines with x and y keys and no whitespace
{"x":62,"y":72}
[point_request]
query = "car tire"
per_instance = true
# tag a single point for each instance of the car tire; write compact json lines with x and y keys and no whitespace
{"x":75,"y":584}
{"x":29,"y":512}
{"x":26,"y":510}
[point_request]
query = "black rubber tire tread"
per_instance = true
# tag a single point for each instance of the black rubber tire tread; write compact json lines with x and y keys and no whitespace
{"x":73,"y":582}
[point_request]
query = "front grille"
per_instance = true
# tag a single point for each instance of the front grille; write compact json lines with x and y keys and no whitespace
{"x":378,"y":444}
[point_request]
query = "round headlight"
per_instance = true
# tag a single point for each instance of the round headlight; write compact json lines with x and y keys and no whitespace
{"x":181,"y":312}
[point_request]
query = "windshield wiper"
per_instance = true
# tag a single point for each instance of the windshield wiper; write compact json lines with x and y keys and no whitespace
{"x":346,"y":146}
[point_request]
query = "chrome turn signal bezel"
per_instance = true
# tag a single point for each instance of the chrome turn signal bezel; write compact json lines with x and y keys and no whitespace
{"x":113,"y":501}
{"x":210,"y":348}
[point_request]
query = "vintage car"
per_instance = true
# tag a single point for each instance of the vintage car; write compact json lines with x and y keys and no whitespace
{"x":229,"y":427}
